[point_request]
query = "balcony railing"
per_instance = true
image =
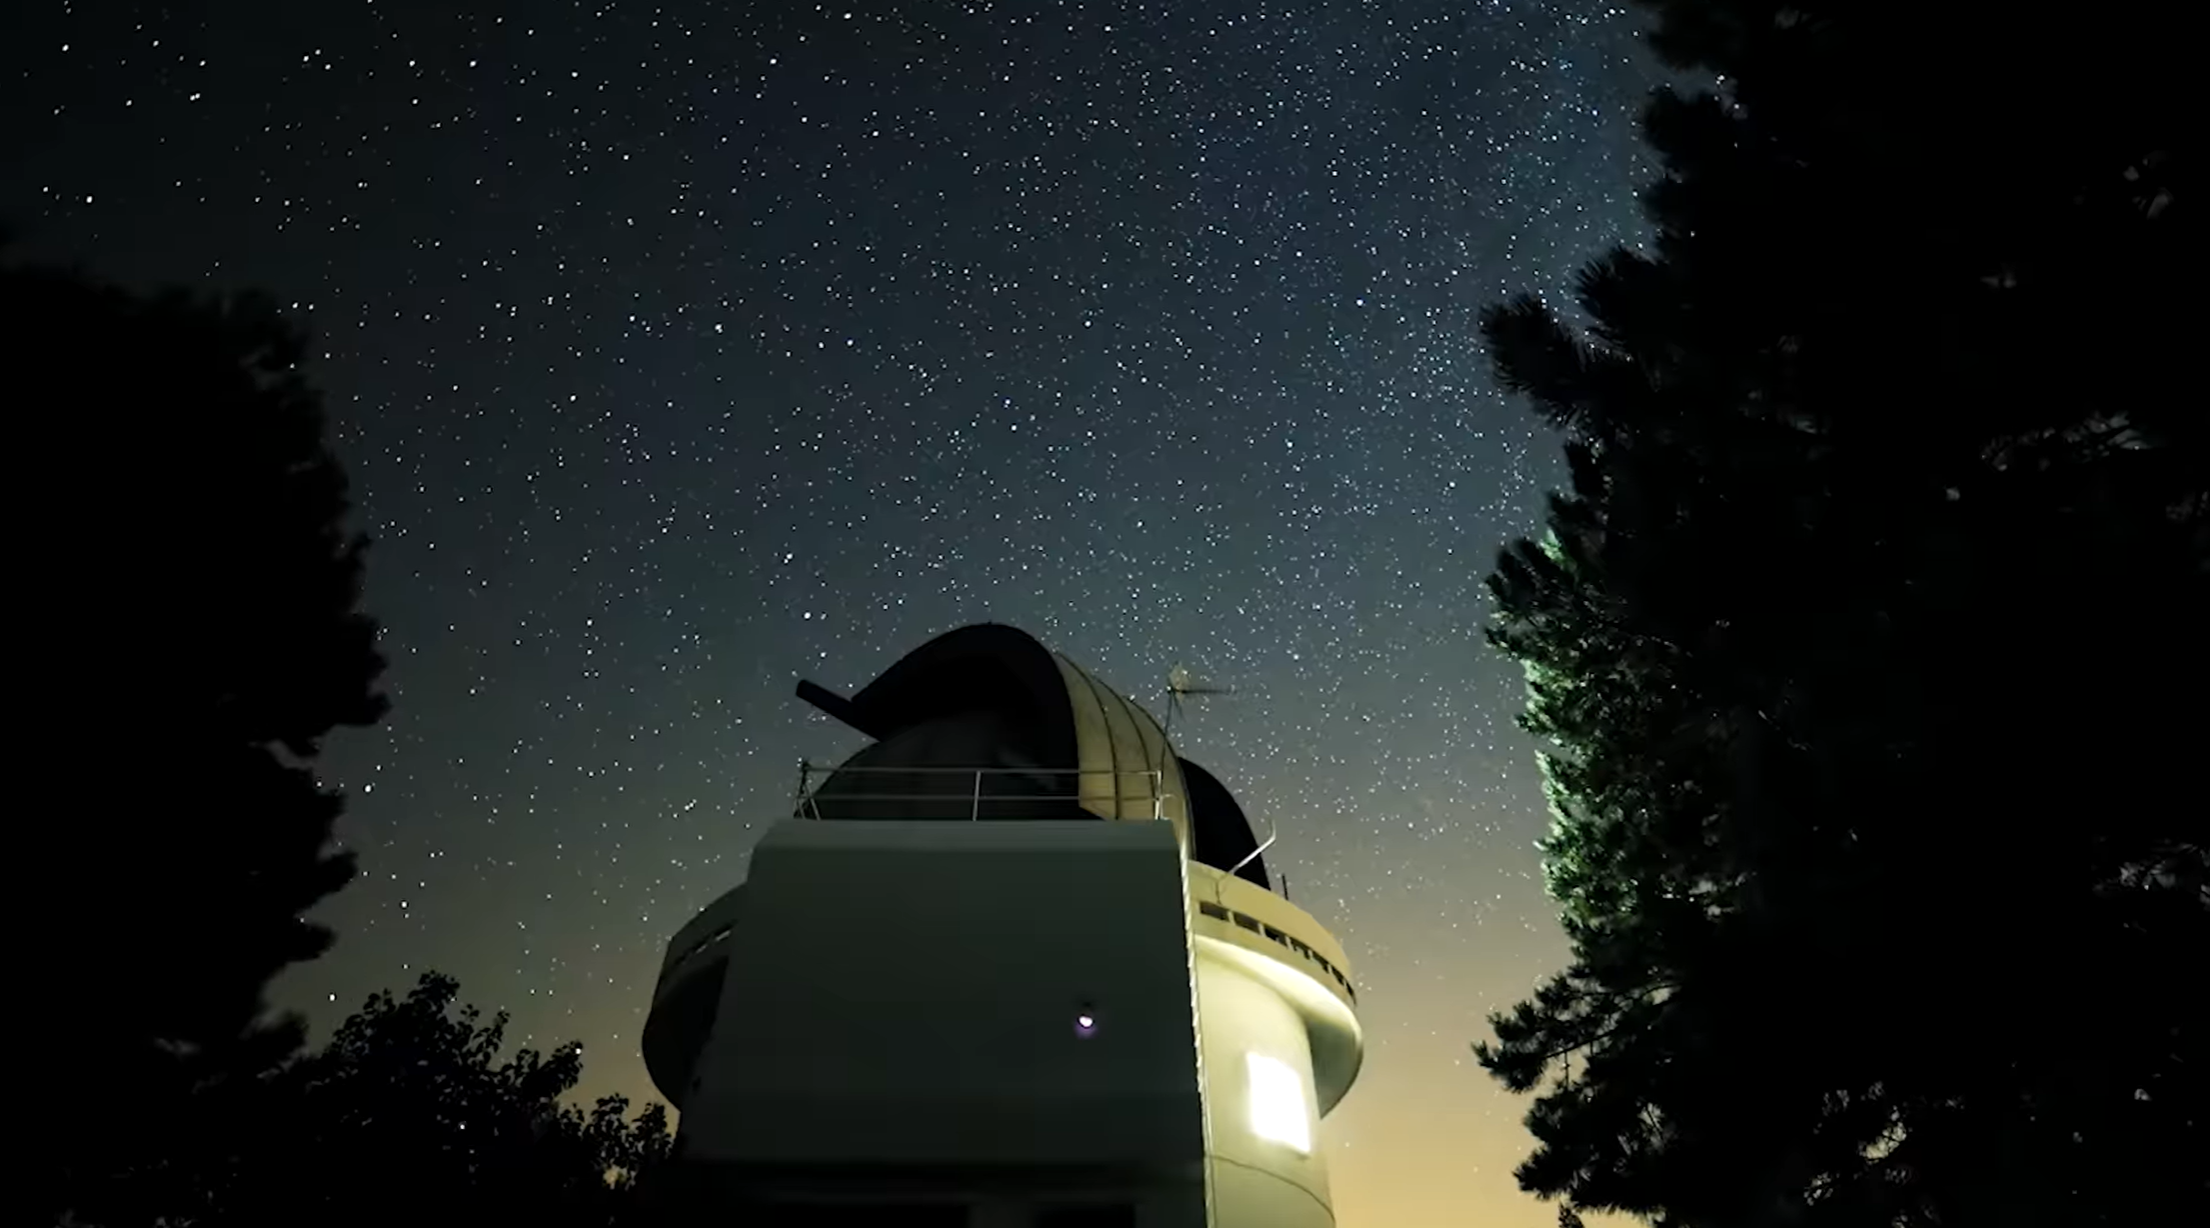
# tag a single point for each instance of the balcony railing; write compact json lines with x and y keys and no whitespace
{"x":980,"y":787}
{"x":977,"y":794}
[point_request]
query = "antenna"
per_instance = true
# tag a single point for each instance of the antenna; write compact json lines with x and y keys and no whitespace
{"x":1180,"y":682}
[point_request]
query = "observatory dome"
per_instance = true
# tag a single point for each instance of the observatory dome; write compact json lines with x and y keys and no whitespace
{"x":986,"y":723}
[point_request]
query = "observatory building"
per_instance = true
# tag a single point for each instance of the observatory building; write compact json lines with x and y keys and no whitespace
{"x":1014,"y":964}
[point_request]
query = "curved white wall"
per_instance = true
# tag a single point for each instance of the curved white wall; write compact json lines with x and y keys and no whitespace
{"x":1257,"y":1182}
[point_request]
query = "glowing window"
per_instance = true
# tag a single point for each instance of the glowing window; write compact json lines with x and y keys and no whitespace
{"x":1278,"y":1103}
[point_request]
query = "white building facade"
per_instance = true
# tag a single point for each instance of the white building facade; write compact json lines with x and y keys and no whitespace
{"x":1014,"y":965}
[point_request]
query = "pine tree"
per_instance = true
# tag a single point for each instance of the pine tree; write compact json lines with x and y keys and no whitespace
{"x":189,"y":632}
{"x":1861,"y":637}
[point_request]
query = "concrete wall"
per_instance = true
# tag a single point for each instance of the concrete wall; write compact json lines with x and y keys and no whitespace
{"x":688,"y":995}
{"x":1257,"y":1181}
{"x":901,"y":998}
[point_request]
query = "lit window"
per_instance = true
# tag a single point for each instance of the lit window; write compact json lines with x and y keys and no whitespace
{"x":1278,"y":1103}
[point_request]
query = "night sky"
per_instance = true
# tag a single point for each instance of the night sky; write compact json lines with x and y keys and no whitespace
{"x":680,"y":351}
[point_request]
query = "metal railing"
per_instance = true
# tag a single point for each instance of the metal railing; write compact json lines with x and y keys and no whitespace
{"x":813,"y":776}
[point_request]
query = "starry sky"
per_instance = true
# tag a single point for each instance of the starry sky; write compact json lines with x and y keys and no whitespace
{"x":678,"y":351}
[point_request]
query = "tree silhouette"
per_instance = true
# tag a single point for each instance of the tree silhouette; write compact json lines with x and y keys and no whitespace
{"x":410,"y":1114}
{"x":1860,"y":638}
{"x":190,"y":634}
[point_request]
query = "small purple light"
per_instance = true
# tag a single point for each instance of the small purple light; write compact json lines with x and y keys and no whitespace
{"x":1085,"y":1024}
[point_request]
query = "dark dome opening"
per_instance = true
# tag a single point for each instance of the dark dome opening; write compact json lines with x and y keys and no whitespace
{"x":1220,"y":835}
{"x":913,"y":774}
{"x":983,"y":697}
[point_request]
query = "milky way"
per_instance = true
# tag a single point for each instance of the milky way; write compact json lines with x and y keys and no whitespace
{"x":677,"y":352}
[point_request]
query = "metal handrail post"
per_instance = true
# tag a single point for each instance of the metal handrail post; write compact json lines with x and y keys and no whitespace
{"x":974,"y":813}
{"x":1273,"y":829}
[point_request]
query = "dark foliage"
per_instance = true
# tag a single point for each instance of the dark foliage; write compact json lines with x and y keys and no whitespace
{"x":188,"y":633}
{"x":411,"y":1114}
{"x":1870,"y":638}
